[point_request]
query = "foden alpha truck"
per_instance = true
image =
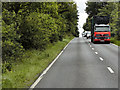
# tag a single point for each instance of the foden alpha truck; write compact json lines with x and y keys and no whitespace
{"x":100,"y":29}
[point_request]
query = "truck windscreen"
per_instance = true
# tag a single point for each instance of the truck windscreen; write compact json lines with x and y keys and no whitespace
{"x":102,"y":29}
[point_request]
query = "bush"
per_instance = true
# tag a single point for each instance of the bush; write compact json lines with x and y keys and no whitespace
{"x":34,"y":25}
{"x":6,"y":83}
{"x":39,"y":30}
{"x":11,"y":49}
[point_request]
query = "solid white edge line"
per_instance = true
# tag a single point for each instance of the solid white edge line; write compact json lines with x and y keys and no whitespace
{"x":96,"y":52}
{"x":45,"y":71}
{"x":65,"y":46}
{"x":114,"y":45}
{"x":101,"y":58}
{"x":110,"y":69}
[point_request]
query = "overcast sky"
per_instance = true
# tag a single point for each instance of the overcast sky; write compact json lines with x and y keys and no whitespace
{"x":82,"y":15}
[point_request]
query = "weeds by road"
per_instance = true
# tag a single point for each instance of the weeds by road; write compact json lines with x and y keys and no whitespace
{"x":24,"y":73}
{"x":113,"y":40}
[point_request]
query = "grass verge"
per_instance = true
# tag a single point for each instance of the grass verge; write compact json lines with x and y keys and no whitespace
{"x":24,"y":73}
{"x":113,"y":40}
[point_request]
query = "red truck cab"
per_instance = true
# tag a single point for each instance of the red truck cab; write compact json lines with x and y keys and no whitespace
{"x":100,"y":29}
{"x":102,"y":33}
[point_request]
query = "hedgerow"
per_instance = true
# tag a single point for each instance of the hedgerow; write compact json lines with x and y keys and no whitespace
{"x":34,"y":26}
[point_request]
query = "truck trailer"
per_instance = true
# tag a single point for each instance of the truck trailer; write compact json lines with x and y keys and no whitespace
{"x":100,"y":29}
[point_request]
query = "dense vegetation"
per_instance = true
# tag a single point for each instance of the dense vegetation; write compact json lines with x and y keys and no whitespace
{"x":34,"y":25}
{"x":24,"y":73}
{"x":110,"y":9}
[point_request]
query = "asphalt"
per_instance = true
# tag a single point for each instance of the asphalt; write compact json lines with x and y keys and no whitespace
{"x":80,"y":67}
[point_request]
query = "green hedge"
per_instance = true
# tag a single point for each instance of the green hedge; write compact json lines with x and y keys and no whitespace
{"x":34,"y":26}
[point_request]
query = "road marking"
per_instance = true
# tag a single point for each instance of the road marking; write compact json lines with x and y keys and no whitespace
{"x":45,"y":71}
{"x":65,"y":46}
{"x":110,"y":69}
{"x":96,"y":52}
{"x":114,"y":45}
{"x":92,"y":48}
{"x":101,"y":59}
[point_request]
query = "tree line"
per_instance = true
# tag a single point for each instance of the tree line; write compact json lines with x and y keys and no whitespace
{"x":34,"y":25}
{"x":110,"y":9}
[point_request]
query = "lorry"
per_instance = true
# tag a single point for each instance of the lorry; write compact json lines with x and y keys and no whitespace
{"x":100,"y":29}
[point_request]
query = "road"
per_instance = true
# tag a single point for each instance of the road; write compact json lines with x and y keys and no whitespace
{"x":83,"y":65}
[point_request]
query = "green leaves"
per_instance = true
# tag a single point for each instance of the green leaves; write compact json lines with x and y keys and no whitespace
{"x":104,"y":9}
{"x":92,"y":9}
{"x":35,"y":25}
{"x":11,"y":49}
{"x":40,"y":27}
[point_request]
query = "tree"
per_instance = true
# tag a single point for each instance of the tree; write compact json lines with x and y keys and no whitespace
{"x":92,"y":8}
{"x":35,"y":25}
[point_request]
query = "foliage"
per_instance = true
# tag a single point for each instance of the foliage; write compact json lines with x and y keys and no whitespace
{"x":87,"y":25}
{"x":115,"y":41}
{"x":39,"y":30}
{"x":34,"y":25}
{"x":68,"y":12}
{"x":93,"y":8}
{"x":23,"y":74}
{"x":11,"y":49}
{"x":110,"y":9}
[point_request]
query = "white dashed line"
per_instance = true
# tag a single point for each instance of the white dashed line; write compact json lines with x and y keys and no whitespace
{"x":96,"y":52}
{"x":111,"y":71}
{"x":101,"y":59}
{"x":92,"y":48}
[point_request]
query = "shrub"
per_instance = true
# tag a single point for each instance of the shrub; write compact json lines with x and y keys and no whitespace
{"x":11,"y":49}
{"x":39,"y":30}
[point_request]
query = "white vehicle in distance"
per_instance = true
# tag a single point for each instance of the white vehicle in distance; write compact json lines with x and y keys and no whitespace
{"x":84,"y":34}
{"x":88,"y":34}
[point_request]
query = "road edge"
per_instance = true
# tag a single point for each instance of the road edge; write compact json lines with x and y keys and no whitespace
{"x":114,"y":45}
{"x":45,"y":71}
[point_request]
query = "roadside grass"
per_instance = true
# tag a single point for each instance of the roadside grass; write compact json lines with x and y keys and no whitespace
{"x":113,"y":40}
{"x":24,"y":73}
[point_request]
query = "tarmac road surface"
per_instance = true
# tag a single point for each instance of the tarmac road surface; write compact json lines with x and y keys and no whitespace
{"x":83,"y":65}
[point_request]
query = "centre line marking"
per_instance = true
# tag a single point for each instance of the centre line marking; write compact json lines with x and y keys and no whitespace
{"x":111,"y":71}
{"x":96,"y":52}
{"x":92,"y":48}
{"x":90,"y":45}
{"x":101,"y":58}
